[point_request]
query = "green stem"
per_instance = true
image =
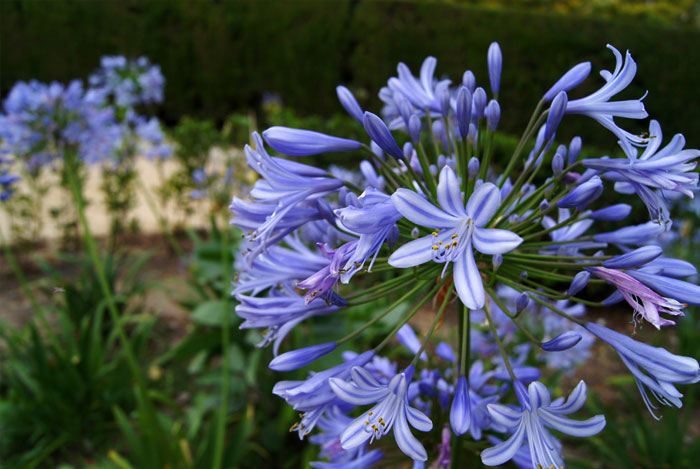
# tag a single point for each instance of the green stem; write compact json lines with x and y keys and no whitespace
{"x":438,"y":316}
{"x":225,"y":358}
{"x":379,"y":316}
{"x":501,"y":349}
{"x":159,"y":218}
{"x":410,"y":314}
{"x":523,"y":139}
{"x":513,"y":318}
{"x":70,"y":162}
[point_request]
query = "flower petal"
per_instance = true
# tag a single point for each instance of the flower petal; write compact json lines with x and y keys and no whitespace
{"x":405,"y":439}
{"x":354,"y":395}
{"x":418,"y":419}
{"x":572,"y":427}
{"x":494,"y":240}
{"x":448,"y":193}
{"x":468,"y":280}
{"x":504,"y":452}
{"x":413,"y":253}
{"x":483,"y":203}
{"x":416,"y":208}
{"x":504,"y":415}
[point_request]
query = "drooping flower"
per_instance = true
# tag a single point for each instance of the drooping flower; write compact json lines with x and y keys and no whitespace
{"x":668,"y":169}
{"x":462,"y":232}
{"x":529,"y":423}
{"x":599,"y":107}
{"x":392,"y":411}
{"x":646,"y":303}
{"x":654,"y":368}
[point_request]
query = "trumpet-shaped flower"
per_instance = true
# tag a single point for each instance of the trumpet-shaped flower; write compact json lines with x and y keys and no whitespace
{"x":646,"y":302}
{"x":599,"y":107}
{"x":654,"y":368}
{"x":462,"y":232}
{"x":670,"y":169}
{"x":391,"y":411}
{"x":537,"y":411}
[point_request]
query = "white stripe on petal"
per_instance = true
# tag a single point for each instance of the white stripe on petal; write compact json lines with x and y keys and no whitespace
{"x":416,"y":208}
{"x":468,"y":280}
{"x":495,"y":241}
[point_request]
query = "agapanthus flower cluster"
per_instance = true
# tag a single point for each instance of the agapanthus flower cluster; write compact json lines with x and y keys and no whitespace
{"x":40,"y":122}
{"x":502,"y":248}
{"x":129,"y":82}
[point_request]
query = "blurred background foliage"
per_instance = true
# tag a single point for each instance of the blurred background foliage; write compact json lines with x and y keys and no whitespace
{"x":66,"y":397}
{"x":209,"y":50}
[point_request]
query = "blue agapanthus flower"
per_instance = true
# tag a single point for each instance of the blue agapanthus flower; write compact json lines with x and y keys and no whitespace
{"x":479,"y":264}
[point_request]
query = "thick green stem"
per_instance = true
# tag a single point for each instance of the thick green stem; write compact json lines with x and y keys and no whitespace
{"x":70,"y":162}
{"x":225,"y":358}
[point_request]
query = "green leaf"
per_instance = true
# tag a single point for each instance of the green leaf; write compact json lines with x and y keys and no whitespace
{"x":210,"y":313}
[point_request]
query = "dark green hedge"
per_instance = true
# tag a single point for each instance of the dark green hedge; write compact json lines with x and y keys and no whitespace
{"x":220,"y":56}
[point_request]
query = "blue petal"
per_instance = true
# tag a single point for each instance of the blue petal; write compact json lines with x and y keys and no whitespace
{"x":354,"y":395}
{"x":408,"y":443}
{"x":504,"y":415}
{"x":297,"y":358}
{"x":418,"y":419}
{"x":574,"y":402}
{"x":494,"y":240}
{"x":356,"y":433}
{"x":460,"y":411}
{"x":413,"y":253}
{"x":539,"y":395}
{"x":634,"y":258}
{"x":571,"y":427}
{"x":483,"y":203}
{"x":416,"y":208}
{"x":448,"y":193}
{"x":300,"y":142}
{"x":677,"y":289}
{"x":504,"y":452}
{"x":467,"y":280}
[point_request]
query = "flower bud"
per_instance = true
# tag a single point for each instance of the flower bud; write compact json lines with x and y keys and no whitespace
{"x":469,"y":81}
{"x":583,"y":194}
{"x":348,"y":101}
{"x":497,"y":260}
{"x":407,"y":336}
{"x":557,"y":164}
{"x":442,"y":92}
{"x":635,"y":258}
{"x":523,"y":275}
{"x":556,"y":114}
{"x":522,"y":302}
{"x":471,"y":136}
{"x":408,"y":150}
{"x":380,"y":134}
{"x":464,"y":110}
{"x":493,"y":114}
{"x":574,"y":149}
{"x":299,"y":142}
{"x":494,"y":59}
{"x":460,"y":411}
{"x":613,"y":213}
{"x":479,"y":99}
{"x":578,"y":283}
{"x":295,"y":359}
{"x":415,"y":232}
{"x":414,"y":127}
{"x":569,"y":80}
{"x":473,"y":167}
{"x":544,"y":205}
{"x":562,"y":342}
